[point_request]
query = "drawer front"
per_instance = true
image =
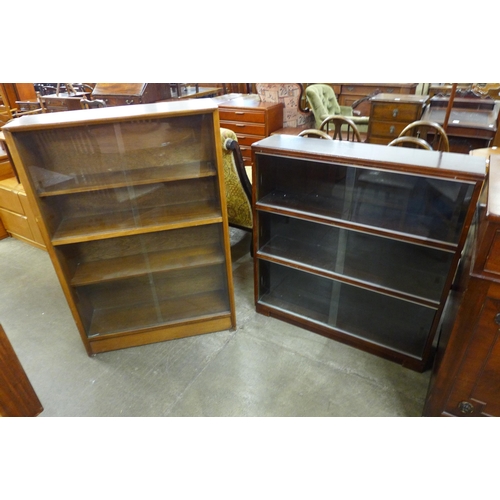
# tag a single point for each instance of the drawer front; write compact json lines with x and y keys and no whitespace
{"x":248,"y":140}
{"x":10,"y":200}
{"x":238,"y":115}
{"x":387,"y":129}
{"x":396,"y":112}
{"x":16,"y":224}
{"x":246,"y":128}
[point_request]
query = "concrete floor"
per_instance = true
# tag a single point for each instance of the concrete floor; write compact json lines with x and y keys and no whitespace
{"x":263,"y":368}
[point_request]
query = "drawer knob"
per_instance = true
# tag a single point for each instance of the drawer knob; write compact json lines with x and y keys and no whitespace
{"x":392,"y":129}
{"x":465,"y":407}
{"x":395,"y":112}
{"x":497,"y":319}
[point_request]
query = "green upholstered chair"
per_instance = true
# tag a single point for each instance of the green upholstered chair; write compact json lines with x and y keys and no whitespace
{"x":237,"y":183}
{"x":323,"y":103}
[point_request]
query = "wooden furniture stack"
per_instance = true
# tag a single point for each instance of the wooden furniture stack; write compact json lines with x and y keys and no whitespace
{"x":465,"y":381}
{"x":391,"y":113}
{"x":251,"y":120}
{"x":360,"y":242}
{"x":133,"y":212}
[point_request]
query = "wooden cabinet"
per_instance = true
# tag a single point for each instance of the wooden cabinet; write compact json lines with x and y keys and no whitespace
{"x":120,"y":94}
{"x":360,"y":242}
{"x":17,"y":215}
{"x":18,"y":219}
{"x":134,"y":217}
{"x":466,"y":375}
{"x":349,"y":93}
{"x":17,"y":396}
{"x":251,"y":120}
{"x":391,"y":113}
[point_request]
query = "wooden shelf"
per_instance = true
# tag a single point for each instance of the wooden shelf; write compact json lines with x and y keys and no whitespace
{"x":109,"y":225}
{"x":117,"y":320}
{"x":146,"y":263}
{"x":111,"y":180}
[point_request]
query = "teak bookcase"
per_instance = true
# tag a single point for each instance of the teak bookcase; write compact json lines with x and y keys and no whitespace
{"x":360,"y":242}
{"x":134,"y":217}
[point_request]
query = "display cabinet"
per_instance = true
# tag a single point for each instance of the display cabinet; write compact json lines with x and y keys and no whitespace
{"x":360,"y":242}
{"x":134,"y":217}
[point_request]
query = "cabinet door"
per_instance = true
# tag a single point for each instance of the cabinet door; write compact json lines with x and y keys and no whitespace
{"x":476,"y":391}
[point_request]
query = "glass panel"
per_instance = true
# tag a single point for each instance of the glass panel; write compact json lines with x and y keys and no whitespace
{"x":396,"y":324}
{"x":430,"y":208}
{"x":105,"y":212}
{"x":413,"y":269}
{"x":118,"y":154}
{"x":147,"y":280}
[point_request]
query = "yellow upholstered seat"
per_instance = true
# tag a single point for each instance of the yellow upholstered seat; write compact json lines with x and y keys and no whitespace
{"x":237,"y":183}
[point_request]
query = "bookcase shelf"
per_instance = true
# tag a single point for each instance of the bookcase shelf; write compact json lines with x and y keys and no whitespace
{"x":134,"y":217}
{"x":360,"y":242}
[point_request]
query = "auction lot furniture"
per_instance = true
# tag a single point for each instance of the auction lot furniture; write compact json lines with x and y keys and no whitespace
{"x":251,"y":120}
{"x":134,"y":217}
{"x":391,"y":113}
{"x":472,"y":124}
{"x":466,"y":376}
{"x":360,"y":242}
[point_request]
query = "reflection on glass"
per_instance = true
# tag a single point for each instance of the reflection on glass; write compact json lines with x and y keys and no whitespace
{"x":387,"y":263}
{"x":140,"y":281}
{"x":429,"y":208}
{"x":398,"y":325}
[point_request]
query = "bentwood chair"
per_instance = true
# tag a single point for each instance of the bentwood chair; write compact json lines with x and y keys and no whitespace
{"x":411,"y":142}
{"x":314,"y":132}
{"x":431,"y":132}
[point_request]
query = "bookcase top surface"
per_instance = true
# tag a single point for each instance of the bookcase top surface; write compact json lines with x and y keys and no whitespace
{"x":458,"y":166}
{"x":111,"y":114}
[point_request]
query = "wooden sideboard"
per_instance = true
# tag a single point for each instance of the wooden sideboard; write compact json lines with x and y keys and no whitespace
{"x":466,"y":376}
{"x":251,"y":120}
{"x":391,"y":113}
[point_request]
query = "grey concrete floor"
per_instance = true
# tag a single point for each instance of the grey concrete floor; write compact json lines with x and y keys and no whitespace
{"x":265,"y":367}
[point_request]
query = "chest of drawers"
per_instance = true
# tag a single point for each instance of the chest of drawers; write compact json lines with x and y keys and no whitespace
{"x":251,"y":120}
{"x":391,"y":113}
